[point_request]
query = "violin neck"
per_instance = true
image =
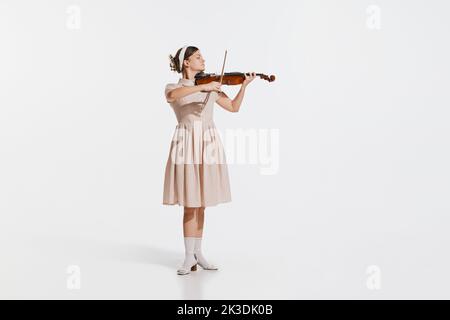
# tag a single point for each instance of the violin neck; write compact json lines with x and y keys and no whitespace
{"x":257,"y":74}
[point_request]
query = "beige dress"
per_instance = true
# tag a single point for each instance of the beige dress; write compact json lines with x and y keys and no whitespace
{"x":196,"y":173}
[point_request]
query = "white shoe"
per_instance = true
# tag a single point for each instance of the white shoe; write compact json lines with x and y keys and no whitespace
{"x":204,"y":264}
{"x":190,"y":264}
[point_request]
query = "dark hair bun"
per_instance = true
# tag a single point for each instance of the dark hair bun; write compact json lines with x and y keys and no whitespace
{"x":173,"y":64}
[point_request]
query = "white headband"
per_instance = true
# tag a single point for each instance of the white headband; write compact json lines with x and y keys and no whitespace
{"x":181,"y":57}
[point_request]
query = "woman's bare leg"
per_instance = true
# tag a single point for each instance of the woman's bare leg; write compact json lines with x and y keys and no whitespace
{"x":200,"y":221}
{"x":190,"y":222}
{"x":193,"y":221}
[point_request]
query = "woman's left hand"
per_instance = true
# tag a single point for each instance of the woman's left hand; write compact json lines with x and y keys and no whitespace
{"x":248,"y":79}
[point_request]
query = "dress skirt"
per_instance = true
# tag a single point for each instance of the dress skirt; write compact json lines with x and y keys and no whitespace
{"x":196,"y":173}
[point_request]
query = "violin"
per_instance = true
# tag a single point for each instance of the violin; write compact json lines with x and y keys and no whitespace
{"x":228,"y":78}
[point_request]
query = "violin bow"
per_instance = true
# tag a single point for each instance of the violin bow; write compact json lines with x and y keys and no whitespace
{"x":223,"y":67}
{"x":221,"y":77}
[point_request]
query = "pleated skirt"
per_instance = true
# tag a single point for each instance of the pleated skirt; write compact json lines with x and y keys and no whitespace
{"x":196,"y":172}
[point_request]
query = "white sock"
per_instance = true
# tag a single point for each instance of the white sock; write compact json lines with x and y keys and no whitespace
{"x":189,"y":258}
{"x":200,"y":258}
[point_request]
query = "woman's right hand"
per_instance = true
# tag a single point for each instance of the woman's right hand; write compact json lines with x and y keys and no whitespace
{"x":212,"y":86}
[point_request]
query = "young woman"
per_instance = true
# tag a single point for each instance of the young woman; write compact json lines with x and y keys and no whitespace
{"x":196,"y":174}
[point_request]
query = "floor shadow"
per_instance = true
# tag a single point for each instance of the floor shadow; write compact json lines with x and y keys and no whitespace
{"x":109,"y":250}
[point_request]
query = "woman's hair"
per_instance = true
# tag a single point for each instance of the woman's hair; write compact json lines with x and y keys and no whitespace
{"x":175,"y":61}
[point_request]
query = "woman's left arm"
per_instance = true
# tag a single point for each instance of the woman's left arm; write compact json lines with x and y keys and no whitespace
{"x":234,"y":105}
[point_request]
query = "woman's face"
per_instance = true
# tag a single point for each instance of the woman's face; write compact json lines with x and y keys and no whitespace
{"x":196,"y":61}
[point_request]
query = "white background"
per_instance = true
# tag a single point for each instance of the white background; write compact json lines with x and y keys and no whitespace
{"x":360,"y":195}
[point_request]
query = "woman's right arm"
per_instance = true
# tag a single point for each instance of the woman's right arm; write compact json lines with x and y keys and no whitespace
{"x":181,"y":92}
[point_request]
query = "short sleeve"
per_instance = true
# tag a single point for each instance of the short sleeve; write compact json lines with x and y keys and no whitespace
{"x":169,"y":87}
